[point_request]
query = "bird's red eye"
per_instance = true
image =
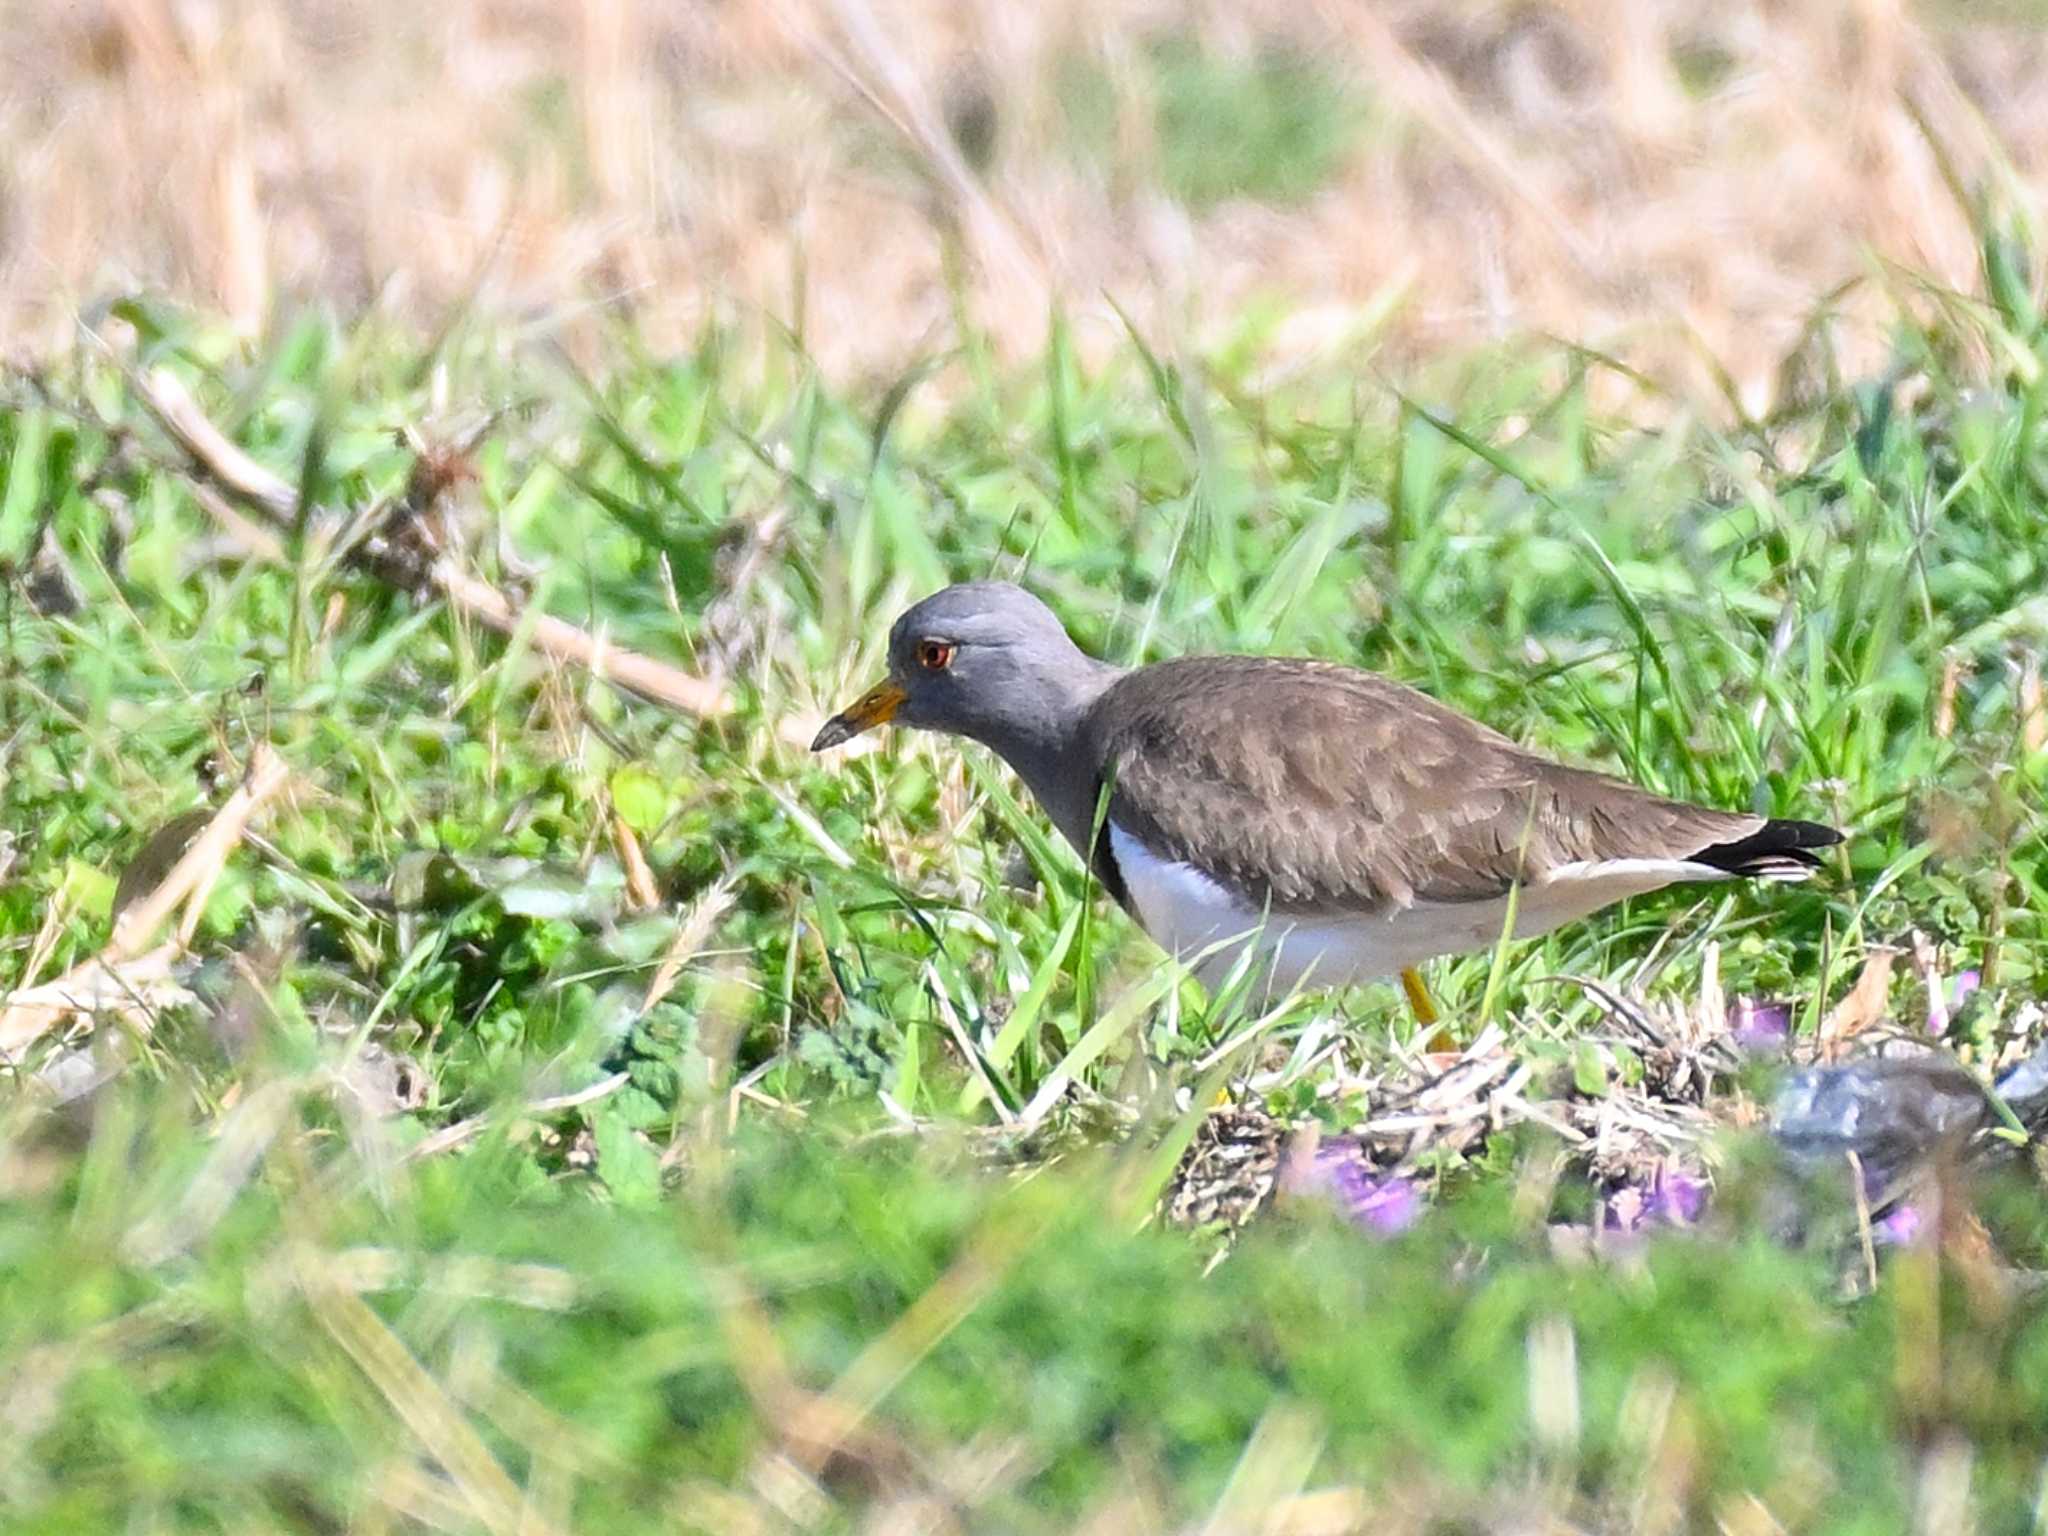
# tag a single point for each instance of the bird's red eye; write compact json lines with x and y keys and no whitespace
{"x":934,"y":655}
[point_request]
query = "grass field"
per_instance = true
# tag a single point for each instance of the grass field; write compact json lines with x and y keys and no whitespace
{"x":573,"y":1113}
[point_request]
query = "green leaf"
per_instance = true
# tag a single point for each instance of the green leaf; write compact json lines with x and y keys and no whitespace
{"x":640,"y":798}
{"x":90,"y":890}
{"x":625,"y":1161}
{"x":1589,"y":1070}
{"x":1627,"y":1065}
{"x":565,"y":895}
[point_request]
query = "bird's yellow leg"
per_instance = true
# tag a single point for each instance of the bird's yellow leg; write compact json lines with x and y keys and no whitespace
{"x":1430,"y":1030}
{"x":1419,"y":1001}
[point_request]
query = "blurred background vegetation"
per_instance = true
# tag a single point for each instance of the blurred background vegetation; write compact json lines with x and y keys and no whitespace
{"x":1680,"y":185}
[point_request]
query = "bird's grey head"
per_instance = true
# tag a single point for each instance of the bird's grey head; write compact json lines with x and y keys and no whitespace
{"x":984,"y":659}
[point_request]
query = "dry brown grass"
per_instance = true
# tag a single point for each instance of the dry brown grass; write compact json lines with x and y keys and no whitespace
{"x":1525,"y":167}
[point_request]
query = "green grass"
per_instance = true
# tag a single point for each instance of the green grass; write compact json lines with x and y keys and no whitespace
{"x":193,"y":1362}
{"x":559,"y":1311}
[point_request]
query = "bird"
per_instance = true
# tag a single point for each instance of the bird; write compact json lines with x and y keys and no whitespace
{"x":1341,"y":825}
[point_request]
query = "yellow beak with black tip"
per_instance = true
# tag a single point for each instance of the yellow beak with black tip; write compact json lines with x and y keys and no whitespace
{"x":877,"y":706}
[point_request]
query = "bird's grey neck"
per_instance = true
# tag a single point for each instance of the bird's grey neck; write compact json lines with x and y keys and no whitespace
{"x":1046,"y":750}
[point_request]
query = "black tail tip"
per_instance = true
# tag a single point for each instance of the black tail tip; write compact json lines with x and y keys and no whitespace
{"x":1778,"y":850}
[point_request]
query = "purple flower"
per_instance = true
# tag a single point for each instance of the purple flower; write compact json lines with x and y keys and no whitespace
{"x":1760,"y":1026}
{"x":1941,"y":1009}
{"x":1677,"y":1199}
{"x":1669,"y":1199}
{"x":1382,"y":1204}
{"x":1900,"y":1227}
{"x":1393,"y":1205}
{"x":1625,"y":1210}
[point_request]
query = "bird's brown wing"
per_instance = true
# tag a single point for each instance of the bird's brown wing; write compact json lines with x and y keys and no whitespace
{"x":1308,"y":785}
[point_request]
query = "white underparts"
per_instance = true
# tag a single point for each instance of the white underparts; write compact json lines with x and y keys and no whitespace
{"x":1187,"y":913}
